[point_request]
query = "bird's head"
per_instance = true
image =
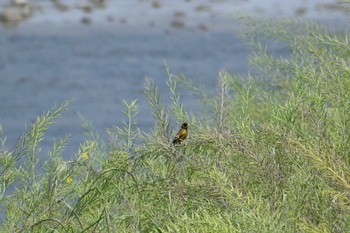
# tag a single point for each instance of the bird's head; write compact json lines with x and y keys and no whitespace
{"x":184,"y":126}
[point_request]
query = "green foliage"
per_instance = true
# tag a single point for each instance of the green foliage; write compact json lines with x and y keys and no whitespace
{"x":270,"y":153}
{"x":160,"y":114}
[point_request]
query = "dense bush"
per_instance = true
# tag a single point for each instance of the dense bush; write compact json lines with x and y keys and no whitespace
{"x":271,"y":154}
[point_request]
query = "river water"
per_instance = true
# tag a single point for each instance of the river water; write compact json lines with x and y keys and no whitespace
{"x":53,"y":57}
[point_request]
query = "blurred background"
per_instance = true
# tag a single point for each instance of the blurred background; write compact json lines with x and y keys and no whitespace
{"x":98,"y":52}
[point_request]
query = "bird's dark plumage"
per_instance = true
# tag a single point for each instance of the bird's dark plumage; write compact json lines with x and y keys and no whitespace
{"x":182,"y":134}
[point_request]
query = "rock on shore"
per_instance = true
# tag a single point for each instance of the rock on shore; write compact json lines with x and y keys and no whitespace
{"x":17,"y":11}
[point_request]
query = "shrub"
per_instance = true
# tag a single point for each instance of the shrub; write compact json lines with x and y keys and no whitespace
{"x":270,"y":153}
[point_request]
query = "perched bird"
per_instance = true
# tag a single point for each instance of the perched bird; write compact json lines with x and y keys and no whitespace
{"x":181,"y":135}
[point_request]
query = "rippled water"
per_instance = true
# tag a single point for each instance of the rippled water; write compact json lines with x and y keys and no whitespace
{"x":45,"y":63}
{"x":99,"y":70}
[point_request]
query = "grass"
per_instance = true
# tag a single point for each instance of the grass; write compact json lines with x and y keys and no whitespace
{"x":271,"y":152}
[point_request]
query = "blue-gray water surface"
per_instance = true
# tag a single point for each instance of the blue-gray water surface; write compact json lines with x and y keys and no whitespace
{"x":98,"y":69}
{"x":53,"y":57}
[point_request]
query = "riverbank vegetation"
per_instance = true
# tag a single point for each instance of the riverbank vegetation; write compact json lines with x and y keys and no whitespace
{"x":270,"y":154}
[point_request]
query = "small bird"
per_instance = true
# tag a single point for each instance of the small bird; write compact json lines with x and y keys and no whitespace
{"x":182,"y":134}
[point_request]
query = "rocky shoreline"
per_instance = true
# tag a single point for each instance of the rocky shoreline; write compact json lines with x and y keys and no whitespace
{"x":179,"y":14}
{"x":16,"y":11}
